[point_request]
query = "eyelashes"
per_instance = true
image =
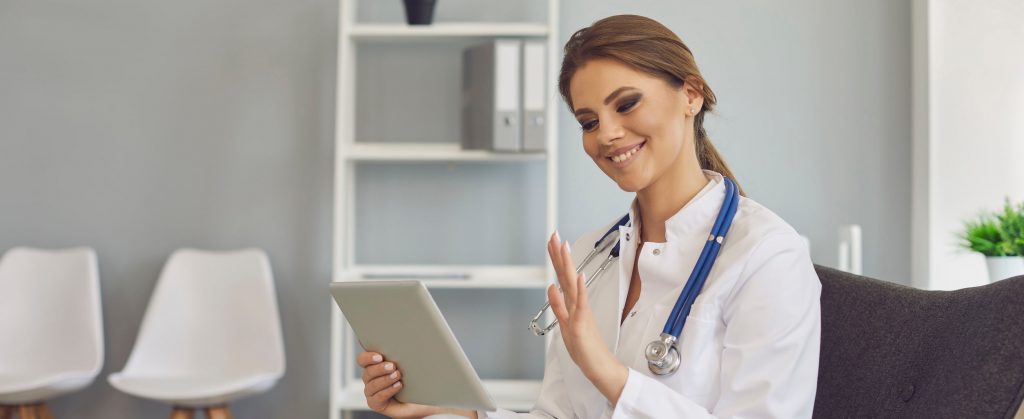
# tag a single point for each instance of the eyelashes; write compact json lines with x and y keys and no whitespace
{"x":625,"y":106}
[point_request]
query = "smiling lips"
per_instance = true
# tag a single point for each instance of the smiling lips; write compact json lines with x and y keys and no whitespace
{"x":622,"y":159}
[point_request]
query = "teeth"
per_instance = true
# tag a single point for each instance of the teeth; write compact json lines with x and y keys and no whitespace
{"x":622,"y":157}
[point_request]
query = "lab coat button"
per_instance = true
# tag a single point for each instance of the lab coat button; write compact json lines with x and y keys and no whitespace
{"x":908,"y":393}
{"x":633,"y":314}
{"x":657,"y":252}
{"x":627,"y":236}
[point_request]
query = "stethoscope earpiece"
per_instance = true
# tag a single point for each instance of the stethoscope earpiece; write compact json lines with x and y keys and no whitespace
{"x":662,"y":356}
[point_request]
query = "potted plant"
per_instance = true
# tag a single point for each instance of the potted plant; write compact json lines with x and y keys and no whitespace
{"x":1000,"y":237}
{"x":419,"y":12}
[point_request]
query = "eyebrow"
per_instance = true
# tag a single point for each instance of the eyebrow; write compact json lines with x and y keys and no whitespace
{"x":607,"y":100}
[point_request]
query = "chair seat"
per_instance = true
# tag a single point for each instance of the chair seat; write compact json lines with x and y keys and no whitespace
{"x":193,"y":390}
{"x":25,"y":388}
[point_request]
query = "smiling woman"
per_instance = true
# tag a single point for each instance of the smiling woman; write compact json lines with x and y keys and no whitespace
{"x":606,"y":53}
{"x":741,"y":333}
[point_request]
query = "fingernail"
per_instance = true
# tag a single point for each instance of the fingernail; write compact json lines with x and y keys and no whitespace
{"x":377,"y":358}
{"x":567,"y":247}
{"x":389,"y":366}
{"x":398,"y":384}
{"x":557,"y":237}
{"x":394,"y":375}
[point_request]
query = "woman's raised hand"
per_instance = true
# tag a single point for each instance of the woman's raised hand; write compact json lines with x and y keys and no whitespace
{"x":578,"y":327}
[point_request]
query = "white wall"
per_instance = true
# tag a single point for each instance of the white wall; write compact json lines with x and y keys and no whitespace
{"x":972,"y":152}
{"x":813,"y":117}
{"x":141,"y":127}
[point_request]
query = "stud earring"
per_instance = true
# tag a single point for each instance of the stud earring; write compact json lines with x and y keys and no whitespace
{"x":693,"y":110}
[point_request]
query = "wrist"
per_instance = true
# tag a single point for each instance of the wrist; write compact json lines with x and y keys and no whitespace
{"x":611,"y":379}
{"x":471,"y":414}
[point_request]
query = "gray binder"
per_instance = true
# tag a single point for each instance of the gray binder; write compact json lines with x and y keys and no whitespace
{"x":534,"y":95}
{"x":491,"y":96}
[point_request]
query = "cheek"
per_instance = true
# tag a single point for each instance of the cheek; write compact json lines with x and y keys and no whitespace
{"x":650,"y":124}
{"x":590,"y":145}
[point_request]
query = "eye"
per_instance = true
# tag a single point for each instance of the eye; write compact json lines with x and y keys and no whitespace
{"x":628,"y":104}
{"x":588,"y":125}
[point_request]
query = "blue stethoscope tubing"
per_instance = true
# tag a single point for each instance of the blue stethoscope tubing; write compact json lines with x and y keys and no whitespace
{"x":662,"y":355}
{"x":695,"y":283}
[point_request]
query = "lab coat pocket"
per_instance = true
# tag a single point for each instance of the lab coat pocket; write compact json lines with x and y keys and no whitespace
{"x":700,"y":355}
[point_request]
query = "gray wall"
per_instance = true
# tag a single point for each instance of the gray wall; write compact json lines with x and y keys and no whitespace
{"x":139,"y":128}
{"x":813,"y":116}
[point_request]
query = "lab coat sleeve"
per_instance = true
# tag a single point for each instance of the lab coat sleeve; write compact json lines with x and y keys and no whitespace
{"x":770,"y":349}
{"x":553,"y":401}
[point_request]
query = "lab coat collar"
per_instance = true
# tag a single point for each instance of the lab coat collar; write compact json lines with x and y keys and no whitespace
{"x":697,"y":216}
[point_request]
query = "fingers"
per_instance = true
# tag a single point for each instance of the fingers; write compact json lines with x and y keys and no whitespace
{"x":366,"y":359}
{"x":381,"y":383}
{"x":570,"y":277}
{"x":378,"y":370}
{"x":582,"y":304}
{"x":382,"y":399}
{"x":553,"y":252}
{"x":558,"y":252}
{"x":380,"y":380}
{"x":557,"y":305}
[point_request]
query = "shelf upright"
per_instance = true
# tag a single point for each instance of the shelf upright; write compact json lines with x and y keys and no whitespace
{"x":346,"y":391}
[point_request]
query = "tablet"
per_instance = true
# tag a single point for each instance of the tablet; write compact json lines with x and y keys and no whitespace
{"x":400,"y":320}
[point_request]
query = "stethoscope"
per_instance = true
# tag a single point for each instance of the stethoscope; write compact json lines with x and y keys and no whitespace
{"x":662,"y":354}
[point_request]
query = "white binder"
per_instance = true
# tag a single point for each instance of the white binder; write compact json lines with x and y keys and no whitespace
{"x":534,"y":94}
{"x":491,"y":96}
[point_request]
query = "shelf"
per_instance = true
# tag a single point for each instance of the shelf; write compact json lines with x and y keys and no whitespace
{"x":357,"y":155}
{"x":514,"y":395}
{"x":429,"y":152}
{"x":453,"y":276}
{"x":443,"y":31}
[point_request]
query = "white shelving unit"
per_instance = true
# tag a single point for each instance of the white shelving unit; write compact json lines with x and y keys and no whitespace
{"x":346,"y":390}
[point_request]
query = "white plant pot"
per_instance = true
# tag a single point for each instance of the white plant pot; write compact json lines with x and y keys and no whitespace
{"x":1002,"y":267}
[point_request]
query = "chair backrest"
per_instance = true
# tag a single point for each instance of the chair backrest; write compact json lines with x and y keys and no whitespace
{"x":211,"y":313}
{"x":51,"y":319}
{"x":893,"y":351}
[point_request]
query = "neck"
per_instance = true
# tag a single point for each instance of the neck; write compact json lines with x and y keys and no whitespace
{"x":667,"y":195}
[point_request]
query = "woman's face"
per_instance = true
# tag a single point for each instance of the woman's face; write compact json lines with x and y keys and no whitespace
{"x":635,"y":126}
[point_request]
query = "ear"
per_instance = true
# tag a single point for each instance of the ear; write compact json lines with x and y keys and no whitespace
{"x":693,"y":88}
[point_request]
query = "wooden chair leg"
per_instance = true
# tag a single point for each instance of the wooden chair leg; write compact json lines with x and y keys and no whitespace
{"x":44,"y":411}
{"x":28,"y":411}
{"x":219,"y":412}
{"x":6,"y":412}
{"x":182,"y":413}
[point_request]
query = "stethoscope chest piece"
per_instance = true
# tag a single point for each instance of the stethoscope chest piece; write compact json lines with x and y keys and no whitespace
{"x":662,"y":356}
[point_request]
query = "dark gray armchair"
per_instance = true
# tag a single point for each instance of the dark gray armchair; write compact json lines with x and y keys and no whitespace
{"x":890,"y":351}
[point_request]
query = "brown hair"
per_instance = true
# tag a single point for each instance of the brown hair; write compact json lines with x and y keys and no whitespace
{"x":649,"y":47}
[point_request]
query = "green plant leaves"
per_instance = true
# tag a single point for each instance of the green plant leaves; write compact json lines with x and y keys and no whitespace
{"x":996,"y":234}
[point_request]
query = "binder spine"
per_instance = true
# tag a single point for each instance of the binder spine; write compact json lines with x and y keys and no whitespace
{"x":507,"y":116}
{"x":534,"y":94}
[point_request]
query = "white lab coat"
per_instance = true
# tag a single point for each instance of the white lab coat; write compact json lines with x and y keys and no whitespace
{"x":749,"y":347}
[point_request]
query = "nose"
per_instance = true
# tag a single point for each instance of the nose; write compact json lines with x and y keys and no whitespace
{"x":609,"y":130}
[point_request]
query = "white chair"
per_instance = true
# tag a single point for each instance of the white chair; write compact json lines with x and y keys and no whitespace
{"x":211,"y":334}
{"x":51,"y":327}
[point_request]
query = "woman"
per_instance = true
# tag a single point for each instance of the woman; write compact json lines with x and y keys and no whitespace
{"x":749,"y":347}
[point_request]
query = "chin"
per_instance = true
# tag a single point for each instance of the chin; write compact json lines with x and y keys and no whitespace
{"x":631,"y":184}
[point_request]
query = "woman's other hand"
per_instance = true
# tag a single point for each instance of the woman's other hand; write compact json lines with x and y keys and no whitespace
{"x":382,"y":380}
